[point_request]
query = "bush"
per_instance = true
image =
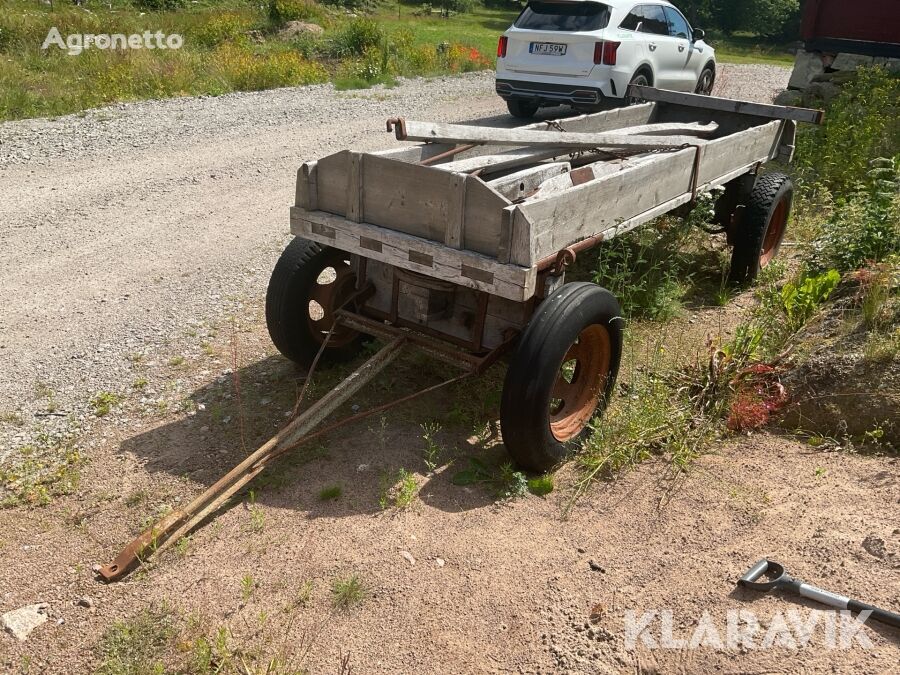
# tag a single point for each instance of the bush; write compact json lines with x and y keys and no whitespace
{"x":862,"y":123}
{"x":282,"y":11}
{"x":225,"y":27}
{"x":353,"y":39}
{"x":159,"y":5}
{"x":863,"y":227}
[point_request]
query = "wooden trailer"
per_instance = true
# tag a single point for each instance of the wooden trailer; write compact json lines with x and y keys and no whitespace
{"x":458,"y":246}
{"x":464,"y":238}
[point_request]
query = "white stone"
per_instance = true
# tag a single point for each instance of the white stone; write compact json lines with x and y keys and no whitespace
{"x":20,"y":622}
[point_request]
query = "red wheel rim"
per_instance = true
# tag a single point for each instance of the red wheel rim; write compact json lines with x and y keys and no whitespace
{"x":774,"y":233}
{"x":580,"y":383}
{"x":334,"y":284}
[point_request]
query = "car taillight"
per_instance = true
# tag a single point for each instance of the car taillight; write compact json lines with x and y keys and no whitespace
{"x":609,"y":53}
{"x":605,"y":53}
{"x":501,"y":46}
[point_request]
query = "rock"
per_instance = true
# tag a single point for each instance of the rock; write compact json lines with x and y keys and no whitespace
{"x":822,"y":91}
{"x":295,"y":28}
{"x":20,"y":622}
{"x":597,"y":567}
{"x":439,"y":562}
{"x":85,"y":601}
{"x":789,"y":97}
{"x":408,"y":557}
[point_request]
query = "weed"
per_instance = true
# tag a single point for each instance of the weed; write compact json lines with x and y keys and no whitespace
{"x":103,"y":402}
{"x":36,"y":473}
{"x":398,"y":489}
{"x":257,"y":518}
{"x":136,"y":497}
{"x":820,"y":472}
{"x":504,"y":480}
{"x":176,"y":361}
{"x":348,"y":592}
{"x":542,"y":485}
{"x":138,"y":645}
{"x":330,"y":493}
{"x":248,"y":585}
{"x":208,"y":349}
{"x":181,"y":546}
{"x":139,"y":383}
{"x":433,"y":450}
{"x":13,"y":418}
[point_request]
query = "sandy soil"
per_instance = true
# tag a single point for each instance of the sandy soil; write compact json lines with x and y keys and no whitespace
{"x":528,"y":585}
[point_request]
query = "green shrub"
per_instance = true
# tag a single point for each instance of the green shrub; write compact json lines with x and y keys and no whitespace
{"x":862,"y":123}
{"x":282,"y":11}
{"x":219,"y":28}
{"x":354,"y":38}
{"x":159,"y":5}
{"x":863,"y":227}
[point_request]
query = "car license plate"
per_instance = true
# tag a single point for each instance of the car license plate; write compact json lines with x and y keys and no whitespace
{"x":548,"y":48}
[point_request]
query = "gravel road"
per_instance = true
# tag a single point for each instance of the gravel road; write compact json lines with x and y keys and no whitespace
{"x":124,"y":227}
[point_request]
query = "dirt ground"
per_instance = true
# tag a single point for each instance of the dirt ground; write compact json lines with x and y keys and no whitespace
{"x":459,"y":580}
{"x":535,"y":584}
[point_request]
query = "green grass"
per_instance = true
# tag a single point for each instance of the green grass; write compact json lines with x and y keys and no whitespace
{"x":137,"y":645}
{"x":228,"y":46}
{"x":480,"y":29}
{"x":348,"y":592}
{"x":330,"y":493}
{"x":752,"y":49}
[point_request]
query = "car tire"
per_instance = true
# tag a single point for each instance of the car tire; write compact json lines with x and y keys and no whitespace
{"x":762,"y":227}
{"x":297,"y":285}
{"x":571,"y":346}
{"x":642,"y":79}
{"x":706,"y":81}
{"x":522,"y":108}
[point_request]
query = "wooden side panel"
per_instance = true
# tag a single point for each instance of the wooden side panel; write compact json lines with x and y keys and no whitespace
{"x":591,"y":208}
{"x":331,"y":181}
{"x":405,"y":197}
{"x":483,"y":217}
{"x":724,"y":155}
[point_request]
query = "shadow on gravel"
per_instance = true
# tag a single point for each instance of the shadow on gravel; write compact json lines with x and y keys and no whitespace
{"x":233,"y":415}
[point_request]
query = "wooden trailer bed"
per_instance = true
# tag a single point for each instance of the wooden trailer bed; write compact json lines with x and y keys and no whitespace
{"x":474,"y":231}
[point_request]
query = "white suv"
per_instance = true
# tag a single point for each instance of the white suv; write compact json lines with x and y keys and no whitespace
{"x":583,"y":53}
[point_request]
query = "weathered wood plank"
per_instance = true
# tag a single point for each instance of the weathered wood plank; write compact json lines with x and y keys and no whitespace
{"x":331,"y":179}
{"x":503,"y":160}
{"x":460,"y":133}
{"x":483,"y":217}
{"x":462,"y":267}
{"x":355,"y":187}
{"x":517,"y":185}
{"x":456,"y":211}
{"x":727,"y":105}
{"x":307,"y":194}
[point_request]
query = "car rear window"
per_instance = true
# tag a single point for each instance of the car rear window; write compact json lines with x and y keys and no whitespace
{"x":564,"y":16}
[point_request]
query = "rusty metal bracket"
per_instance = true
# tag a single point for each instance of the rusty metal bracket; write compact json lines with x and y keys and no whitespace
{"x":564,"y":259}
{"x":400,"y":124}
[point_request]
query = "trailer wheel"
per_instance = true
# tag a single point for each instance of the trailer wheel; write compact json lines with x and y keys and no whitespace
{"x":563,"y":370}
{"x":762,"y":228}
{"x":309,"y":283}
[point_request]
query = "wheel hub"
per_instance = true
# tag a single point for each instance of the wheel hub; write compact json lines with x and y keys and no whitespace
{"x":774,"y":233}
{"x":335,"y":283}
{"x":580,"y":382}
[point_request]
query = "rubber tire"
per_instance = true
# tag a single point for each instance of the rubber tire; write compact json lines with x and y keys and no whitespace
{"x":525,"y":401}
{"x":700,"y":79}
{"x":287,"y":302}
{"x":648,"y":81}
{"x":522,"y":108}
{"x":768,"y":190}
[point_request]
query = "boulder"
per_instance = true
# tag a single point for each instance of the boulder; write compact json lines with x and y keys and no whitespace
{"x":789,"y":97}
{"x":295,"y":28}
